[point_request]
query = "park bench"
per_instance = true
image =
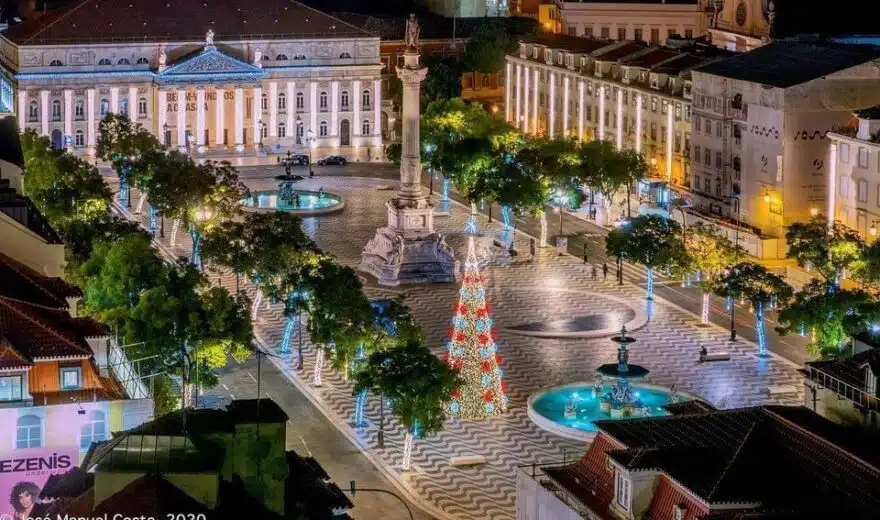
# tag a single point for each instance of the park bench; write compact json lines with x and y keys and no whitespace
{"x":717,"y":355}
{"x":781,"y":390}
{"x":467,"y":460}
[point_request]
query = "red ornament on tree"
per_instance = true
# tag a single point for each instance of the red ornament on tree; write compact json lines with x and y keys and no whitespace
{"x":488,"y":396}
{"x":485,"y":366}
{"x":456,"y":393}
{"x":459,"y":336}
{"x":504,"y":386}
{"x":498,"y":358}
{"x":484,"y":339}
{"x":456,"y":364}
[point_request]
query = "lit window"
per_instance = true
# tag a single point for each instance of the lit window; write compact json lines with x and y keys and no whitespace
{"x":104,"y":61}
{"x":79,"y":139}
{"x":93,"y":430}
{"x":343,"y":100}
{"x":365,"y":127}
{"x":322,"y":100}
{"x":71,"y":377}
{"x":123,"y":107}
{"x":623,"y":492}
{"x":29,"y":432}
{"x":33,"y":111}
{"x":365,"y":99}
{"x":322,"y":129}
{"x":863,"y":190}
{"x":844,"y":153}
{"x":10,"y":388}
{"x":123,"y":61}
{"x":282,"y":101}
{"x":863,"y":157}
{"x":142,"y":106}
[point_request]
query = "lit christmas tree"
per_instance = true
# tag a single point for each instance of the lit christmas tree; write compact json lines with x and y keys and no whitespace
{"x":472,"y":350}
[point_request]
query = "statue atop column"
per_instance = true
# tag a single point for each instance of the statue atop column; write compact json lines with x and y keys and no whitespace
{"x":209,"y":38}
{"x":408,"y":250}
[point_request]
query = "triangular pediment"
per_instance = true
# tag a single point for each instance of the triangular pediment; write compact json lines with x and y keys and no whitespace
{"x":213,"y":63}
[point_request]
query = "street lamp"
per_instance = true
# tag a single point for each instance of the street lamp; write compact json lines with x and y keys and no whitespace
{"x":201,"y":215}
{"x":262,"y":126}
{"x":310,"y":138}
{"x":165,"y":134}
{"x":561,"y":199}
{"x":814,"y":211}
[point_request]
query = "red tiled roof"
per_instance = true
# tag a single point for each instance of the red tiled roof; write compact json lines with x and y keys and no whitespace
{"x":621,"y":51}
{"x":38,"y":332}
{"x":23,"y":283}
{"x":10,"y":359}
{"x":652,"y":58}
{"x":667,"y":496}
{"x":575,"y":44}
{"x":589,"y":479}
{"x":94,"y":21}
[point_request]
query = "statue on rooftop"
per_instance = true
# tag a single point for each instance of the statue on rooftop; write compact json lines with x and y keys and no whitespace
{"x":209,"y":38}
{"x":412,"y":32}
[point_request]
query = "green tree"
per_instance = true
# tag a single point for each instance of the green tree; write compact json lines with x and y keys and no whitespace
{"x":131,"y":149}
{"x":710,"y":254}
{"x":443,"y":80}
{"x":227,"y":245}
{"x":830,"y":318}
{"x":829,"y":249}
{"x":393,"y":152}
{"x":80,"y":238}
{"x":489,"y":44}
{"x":869,"y":271}
{"x":650,"y":240}
{"x":760,"y":287}
{"x":418,"y":384}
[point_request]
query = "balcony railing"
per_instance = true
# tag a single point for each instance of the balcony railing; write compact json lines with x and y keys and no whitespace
{"x":125,"y":373}
{"x":853,"y":394}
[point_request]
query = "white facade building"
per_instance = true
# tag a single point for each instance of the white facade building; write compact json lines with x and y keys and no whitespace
{"x":761,"y":119}
{"x":647,"y":20}
{"x":212,"y":77}
{"x":854,"y":174}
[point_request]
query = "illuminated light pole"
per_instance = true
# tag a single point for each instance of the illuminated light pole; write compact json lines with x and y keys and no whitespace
{"x":202,"y":215}
{"x":639,"y":100}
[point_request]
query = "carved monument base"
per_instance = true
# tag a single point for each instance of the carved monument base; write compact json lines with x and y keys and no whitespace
{"x":407,"y":251}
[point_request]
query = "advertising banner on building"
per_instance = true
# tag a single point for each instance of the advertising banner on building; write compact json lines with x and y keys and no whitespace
{"x":24,"y":472}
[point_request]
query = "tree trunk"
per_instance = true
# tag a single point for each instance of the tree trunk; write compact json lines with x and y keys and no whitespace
{"x":407,"y":450}
{"x":543,"y":228}
{"x":649,"y":282}
{"x":380,"y":437}
{"x":161,"y":225}
{"x":760,"y":335}
{"x":237,"y":283}
{"x":704,"y":314}
{"x":628,"y":190}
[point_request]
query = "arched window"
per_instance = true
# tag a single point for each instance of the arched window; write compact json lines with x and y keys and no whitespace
{"x":55,"y":63}
{"x":123,"y":107}
{"x":142,"y":106}
{"x":79,"y":109}
{"x":299,"y":57}
{"x":123,"y":61}
{"x":343,"y":100}
{"x":33,"y":111}
{"x":281,"y":57}
{"x":105,"y":107}
{"x":299,"y":133}
{"x":282,"y":130}
{"x":322,"y":129}
{"x":29,"y":432}
{"x":56,"y":110}
{"x":265,"y":57}
{"x":93,"y":430}
{"x":282,"y":101}
{"x":264,"y":102}
{"x":322,"y":100}
{"x":79,"y":139}
{"x":365,"y":99}
{"x":345,"y":56}
{"x":300,"y":101}
{"x":365,"y":127}
{"x":143,"y":61}
{"x":104,"y":61}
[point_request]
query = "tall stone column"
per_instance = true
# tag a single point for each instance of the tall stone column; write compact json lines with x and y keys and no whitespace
{"x":90,"y":111}
{"x":407,"y":250}
{"x":68,"y":118}
{"x":239,"y":119}
{"x":44,"y":112}
{"x":181,"y":119}
{"x":22,"y":109}
{"x":114,"y":100}
{"x":220,"y":116}
{"x":200,"y":119}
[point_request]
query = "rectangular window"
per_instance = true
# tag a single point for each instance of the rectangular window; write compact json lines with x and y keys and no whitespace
{"x":665,"y":107}
{"x":844,"y":153}
{"x":71,"y":377}
{"x":606,"y":33}
{"x":653,"y":103}
{"x":655,"y":36}
{"x":677,"y":142}
{"x":653,"y":131}
{"x":718,"y":160}
{"x":621,"y":33}
{"x":719,"y":129}
{"x":677,"y":111}
{"x":697,"y":153}
{"x":572,"y":31}
{"x":689,"y":34}
{"x":687,"y":112}
{"x":663,"y":134}
{"x":844,"y":187}
{"x":707,"y":156}
{"x":623,"y":492}
{"x":707,"y":186}
{"x":10,"y":388}
{"x":863,"y":157}
{"x":863,"y":190}
{"x":637,"y":35}
{"x":698,"y":124}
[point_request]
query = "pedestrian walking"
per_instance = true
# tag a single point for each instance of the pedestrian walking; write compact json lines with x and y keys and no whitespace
{"x":595,"y":275}
{"x":532,"y":247}
{"x":585,"y":253}
{"x":604,"y":271}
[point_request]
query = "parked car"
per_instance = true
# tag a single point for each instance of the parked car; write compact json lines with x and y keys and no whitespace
{"x":330,"y":160}
{"x":296,"y":160}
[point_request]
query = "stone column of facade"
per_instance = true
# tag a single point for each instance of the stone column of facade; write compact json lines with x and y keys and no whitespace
{"x":601,"y":135}
{"x":551,"y":110}
{"x":220,"y":115}
{"x":565,"y":102}
{"x":313,"y":109}
{"x":581,"y":110}
{"x":22,"y":109}
{"x":517,"y":114}
{"x":618,"y":137}
{"x":356,"y":95}
{"x":535,"y":102}
{"x":114,"y":100}
{"x":334,"y":108}
{"x":407,"y":250}
{"x":639,"y":102}
{"x":90,"y":110}
{"x":273,"y":109}
{"x":525,"y":119}
{"x":377,"y":111}
{"x":161,"y":119}
{"x":200,"y":119}
{"x":239,"y":119}
{"x":291,"y":109}
{"x":68,"y":118}
{"x":507,"y":78}
{"x":44,"y":112}
{"x":181,"y":119}
{"x":258,"y":117}
{"x":133,"y":103}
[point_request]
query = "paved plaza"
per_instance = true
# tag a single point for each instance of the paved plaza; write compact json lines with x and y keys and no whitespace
{"x":520,"y":293}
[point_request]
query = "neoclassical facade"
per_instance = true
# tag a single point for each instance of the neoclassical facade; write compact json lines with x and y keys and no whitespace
{"x":201,"y":77}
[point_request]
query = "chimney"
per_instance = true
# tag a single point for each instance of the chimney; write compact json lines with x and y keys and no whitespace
{"x":28,"y":9}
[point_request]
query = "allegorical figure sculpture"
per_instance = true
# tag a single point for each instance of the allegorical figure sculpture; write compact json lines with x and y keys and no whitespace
{"x":412,"y":32}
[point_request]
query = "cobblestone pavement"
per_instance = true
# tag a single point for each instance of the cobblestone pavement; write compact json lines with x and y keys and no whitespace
{"x":519,"y":292}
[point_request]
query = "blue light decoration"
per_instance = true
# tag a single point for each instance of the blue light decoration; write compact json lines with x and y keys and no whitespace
{"x":687,"y":281}
{"x":415,"y":429}
{"x":289,"y":325}
{"x":803,"y":331}
{"x":123,"y":188}
{"x":649,"y":283}
{"x":151,"y":211}
{"x":729,"y":303}
{"x":359,"y":405}
{"x":835,"y":285}
{"x":455,"y":408}
{"x":759,"y":329}
{"x":444,"y":193}
{"x":196,"y":258}
{"x":507,"y":229}
{"x":470,"y":225}
{"x":490,"y":407}
{"x":649,"y":308}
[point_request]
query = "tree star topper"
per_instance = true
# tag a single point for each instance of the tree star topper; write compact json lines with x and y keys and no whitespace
{"x":412,"y":32}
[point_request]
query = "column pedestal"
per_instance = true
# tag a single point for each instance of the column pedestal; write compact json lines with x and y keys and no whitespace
{"x":407,"y":250}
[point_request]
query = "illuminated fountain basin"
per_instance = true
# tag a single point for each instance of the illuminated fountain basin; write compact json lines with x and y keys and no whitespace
{"x":298,"y":202}
{"x":547,"y":408}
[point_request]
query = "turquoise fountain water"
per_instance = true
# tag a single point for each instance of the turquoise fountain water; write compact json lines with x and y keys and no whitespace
{"x":296,"y":201}
{"x":572,"y":410}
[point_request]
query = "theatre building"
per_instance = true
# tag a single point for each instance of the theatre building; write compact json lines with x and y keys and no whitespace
{"x":201,"y":75}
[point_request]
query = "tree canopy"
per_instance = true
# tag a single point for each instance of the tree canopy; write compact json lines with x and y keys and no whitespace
{"x":490,"y":42}
{"x":754,"y":283}
{"x":829,"y":249}
{"x":709,"y":252}
{"x":650,"y":240}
